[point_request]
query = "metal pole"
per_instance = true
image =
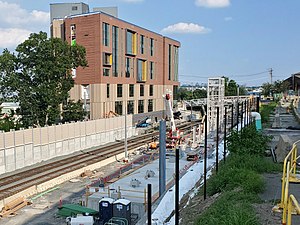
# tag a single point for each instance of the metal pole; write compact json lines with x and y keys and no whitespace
{"x":149,"y":204}
{"x":126,"y":148}
{"x":205,"y":156}
{"x":232,"y":106}
{"x":237,"y":117}
{"x":191,"y":115}
{"x":177,"y":201}
{"x":246,"y":114}
{"x":257,"y":104}
{"x":225,"y":125}
{"x":242,"y":116}
{"x":162,"y":157}
{"x":217,"y":141}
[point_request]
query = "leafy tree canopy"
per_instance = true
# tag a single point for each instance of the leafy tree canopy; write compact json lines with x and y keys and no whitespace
{"x":231,"y":88}
{"x":39,"y":75}
{"x":277,"y":87}
{"x":73,"y":111}
{"x":184,"y":94}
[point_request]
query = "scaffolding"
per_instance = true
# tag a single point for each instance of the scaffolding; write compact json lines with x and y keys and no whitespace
{"x":215,"y":98}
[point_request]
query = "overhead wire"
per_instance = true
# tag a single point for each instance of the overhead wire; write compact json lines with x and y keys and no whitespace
{"x":201,"y":77}
{"x":240,"y":75}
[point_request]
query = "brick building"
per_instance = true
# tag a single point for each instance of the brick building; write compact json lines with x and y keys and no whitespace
{"x":129,"y":67}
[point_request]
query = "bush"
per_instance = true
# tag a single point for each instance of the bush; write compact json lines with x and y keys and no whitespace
{"x":248,"y":141}
{"x":265,"y":111}
{"x":239,"y":180}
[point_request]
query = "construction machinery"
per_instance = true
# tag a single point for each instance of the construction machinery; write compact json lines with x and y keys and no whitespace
{"x":174,"y":132}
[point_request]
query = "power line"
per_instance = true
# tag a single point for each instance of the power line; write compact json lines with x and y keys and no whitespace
{"x":240,"y":75}
{"x":262,"y":78}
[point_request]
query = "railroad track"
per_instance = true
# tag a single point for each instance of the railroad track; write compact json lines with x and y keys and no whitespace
{"x":15,"y":183}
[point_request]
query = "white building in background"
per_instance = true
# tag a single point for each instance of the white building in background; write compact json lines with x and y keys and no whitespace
{"x":6,"y":107}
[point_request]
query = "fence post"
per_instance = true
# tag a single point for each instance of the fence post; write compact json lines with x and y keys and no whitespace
{"x":217,"y":141}
{"x":205,"y":157}
{"x":225,"y":124}
{"x":177,"y":201}
{"x":149,"y":204}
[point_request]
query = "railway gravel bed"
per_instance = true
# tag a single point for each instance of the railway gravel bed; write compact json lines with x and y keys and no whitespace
{"x":13,"y":183}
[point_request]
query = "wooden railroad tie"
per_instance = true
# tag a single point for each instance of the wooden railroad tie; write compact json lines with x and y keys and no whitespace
{"x":13,"y":206}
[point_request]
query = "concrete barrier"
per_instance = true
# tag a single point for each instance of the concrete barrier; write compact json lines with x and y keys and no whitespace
{"x":22,"y":148}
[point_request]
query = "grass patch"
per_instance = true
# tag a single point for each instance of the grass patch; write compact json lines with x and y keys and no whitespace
{"x":239,"y":180}
{"x":232,"y":208}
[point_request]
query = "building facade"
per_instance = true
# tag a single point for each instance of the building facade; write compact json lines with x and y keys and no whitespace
{"x":129,"y":67}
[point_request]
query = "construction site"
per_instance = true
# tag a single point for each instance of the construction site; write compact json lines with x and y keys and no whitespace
{"x":109,"y":171}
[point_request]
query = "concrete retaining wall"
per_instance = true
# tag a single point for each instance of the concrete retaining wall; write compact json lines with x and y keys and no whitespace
{"x":23,"y":148}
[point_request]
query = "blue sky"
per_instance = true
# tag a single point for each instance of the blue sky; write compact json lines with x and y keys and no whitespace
{"x":240,"y":39}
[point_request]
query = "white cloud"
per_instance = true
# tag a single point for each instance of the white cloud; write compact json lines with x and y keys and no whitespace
{"x":11,"y":37}
{"x":228,"y":18}
{"x":17,"y":23}
{"x":213,"y":3}
{"x":186,"y":28}
{"x":12,"y":15}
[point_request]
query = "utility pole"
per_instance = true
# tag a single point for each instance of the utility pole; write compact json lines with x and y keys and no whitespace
{"x":271,"y":71}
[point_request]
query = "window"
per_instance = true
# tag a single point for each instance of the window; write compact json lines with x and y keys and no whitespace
{"x":119,"y":90}
{"x":105,"y":72}
{"x":141,"y":70}
{"x":150,"y":105}
{"x":73,"y":34}
{"x":175,"y":92}
{"x":142,"y":89}
{"x":131,"y":90}
{"x":107,"y":90}
{"x":119,"y":107}
{"x":176,"y":63}
{"x":107,"y":59}
{"x":141,"y":106}
{"x":115,"y":35}
{"x":130,"y":107}
{"x":130,"y":42}
{"x":170,"y":50}
{"x":105,"y":33}
{"x":151,"y":70}
{"x":151,"y":90}
{"x":127,"y":66}
{"x":142,"y":40}
{"x":151,"y":46}
{"x":74,"y":8}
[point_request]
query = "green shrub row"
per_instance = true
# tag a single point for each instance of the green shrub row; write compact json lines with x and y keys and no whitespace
{"x":239,"y":180}
{"x":248,"y":141}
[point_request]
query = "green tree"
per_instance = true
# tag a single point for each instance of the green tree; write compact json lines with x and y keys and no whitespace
{"x":10,"y":121}
{"x":200,"y":93}
{"x":73,"y":111}
{"x":40,"y":74}
{"x":231,"y":88}
{"x":8,"y":63}
{"x":182,"y":94}
{"x":281,"y":86}
{"x":267,"y":89}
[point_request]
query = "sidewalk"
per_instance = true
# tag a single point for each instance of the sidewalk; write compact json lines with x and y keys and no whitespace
{"x":272,"y":193}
